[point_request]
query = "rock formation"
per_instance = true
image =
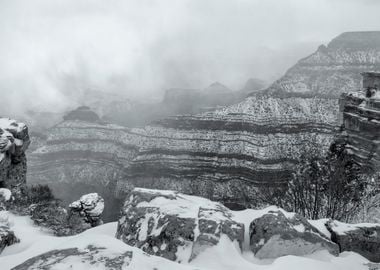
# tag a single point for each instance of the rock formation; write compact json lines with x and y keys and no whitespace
{"x":333,"y":69}
{"x":360,"y":113}
{"x":180,"y":227}
{"x":223,"y":155}
{"x":173,"y":225}
{"x":227,"y":154}
{"x":274,"y":234}
{"x":361,"y":238}
{"x":90,"y":207}
{"x":14,"y":140}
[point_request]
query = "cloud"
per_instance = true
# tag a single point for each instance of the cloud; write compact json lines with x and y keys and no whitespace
{"x":52,"y":51}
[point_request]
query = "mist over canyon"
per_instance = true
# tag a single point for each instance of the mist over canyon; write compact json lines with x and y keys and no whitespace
{"x":189,"y":134}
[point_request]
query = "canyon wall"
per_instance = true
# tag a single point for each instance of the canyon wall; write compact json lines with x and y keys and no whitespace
{"x":224,"y":155}
{"x":360,"y":113}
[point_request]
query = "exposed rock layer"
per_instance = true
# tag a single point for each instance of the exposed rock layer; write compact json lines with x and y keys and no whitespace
{"x":361,"y":128}
{"x":223,"y":155}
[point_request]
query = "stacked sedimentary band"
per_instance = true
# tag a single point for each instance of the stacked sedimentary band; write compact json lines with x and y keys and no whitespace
{"x":224,"y":155}
{"x":361,"y":122}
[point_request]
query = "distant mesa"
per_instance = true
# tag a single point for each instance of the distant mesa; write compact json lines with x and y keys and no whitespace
{"x":217,"y":87}
{"x":82,"y":113}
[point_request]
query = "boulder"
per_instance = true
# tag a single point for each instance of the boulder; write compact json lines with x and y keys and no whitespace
{"x":175,"y":226}
{"x":90,"y":207}
{"x":278,"y":233}
{"x":361,"y":238}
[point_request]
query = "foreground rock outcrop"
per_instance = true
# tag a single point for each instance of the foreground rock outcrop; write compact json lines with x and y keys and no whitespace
{"x":175,"y":226}
{"x":180,"y":227}
{"x":14,"y":140}
{"x":361,"y":238}
{"x":274,"y":235}
{"x":90,"y":207}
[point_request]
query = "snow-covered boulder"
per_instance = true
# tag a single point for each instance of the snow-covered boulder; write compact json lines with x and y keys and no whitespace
{"x":175,"y":226}
{"x":279,"y":233}
{"x":362,"y":238}
{"x":90,"y":207}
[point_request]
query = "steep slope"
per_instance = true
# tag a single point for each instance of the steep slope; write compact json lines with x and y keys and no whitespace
{"x":361,"y":122}
{"x":332,"y":69}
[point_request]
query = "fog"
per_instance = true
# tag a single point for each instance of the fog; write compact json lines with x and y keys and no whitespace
{"x":52,"y":51}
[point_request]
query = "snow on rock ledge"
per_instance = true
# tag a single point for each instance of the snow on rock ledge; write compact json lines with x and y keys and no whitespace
{"x":361,"y":238}
{"x":276,"y":234}
{"x":175,"y":226}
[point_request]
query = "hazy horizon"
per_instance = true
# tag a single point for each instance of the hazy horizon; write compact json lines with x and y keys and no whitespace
{"x":53,"y":51}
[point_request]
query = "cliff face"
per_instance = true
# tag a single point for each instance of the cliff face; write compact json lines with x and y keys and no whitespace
{"x":333,"y":69}
{"x":14,"y":140}
{"x":224,"y":155}
{"x":360,"y":113}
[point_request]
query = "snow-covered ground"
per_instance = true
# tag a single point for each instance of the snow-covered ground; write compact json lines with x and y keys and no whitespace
{"x":225,"y":256}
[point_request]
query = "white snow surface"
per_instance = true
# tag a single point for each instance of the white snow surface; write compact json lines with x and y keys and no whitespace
{"x":224,"y":256}
{"x":342,"y":228}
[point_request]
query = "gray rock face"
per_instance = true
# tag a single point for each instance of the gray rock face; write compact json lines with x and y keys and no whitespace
{"x":14,"y":140}
{"x":361,"y":238}
{"x":274,"y":235}
{"x":7,"y":237}
{"x":90,"y":207}
{"x":175,"y":226}
{"x":360,"y":113}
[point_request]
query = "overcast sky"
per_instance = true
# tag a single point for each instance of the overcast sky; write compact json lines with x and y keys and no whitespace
{"x":52,"y":50}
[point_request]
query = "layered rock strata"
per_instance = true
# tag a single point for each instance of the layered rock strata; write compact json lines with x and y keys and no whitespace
{"x":360,"y":113}
{"x":223,"y":155}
